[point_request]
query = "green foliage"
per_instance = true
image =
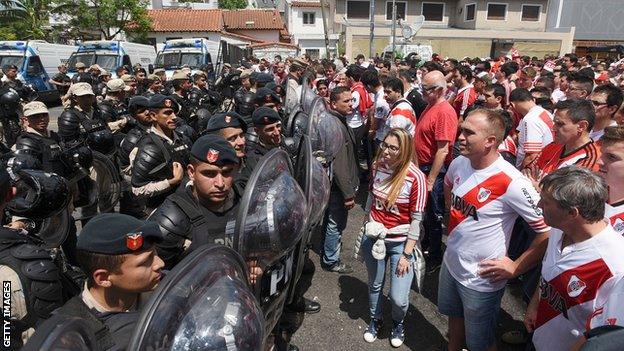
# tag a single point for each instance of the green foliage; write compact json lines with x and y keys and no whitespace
{"x":7,"y":33}
{"x":232,"y":4}
{"x":27,"y":19}
{"x":107,"y":17}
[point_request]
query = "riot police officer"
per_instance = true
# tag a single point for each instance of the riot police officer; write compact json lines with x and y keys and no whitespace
{"x":161,"y":155}
{"x":205,"y":210}
{"x":113,"y":110}
{"x":140,"y":75}
{"x":81,"y":123}
{"x":99,"y":85}
{"x":154,"y":85}
{"x":111,"y":298}
{"x":244,"y":98}
{"x":293,"y":84}
{"x":268,"y":127}
{"x":181,"y":86}
{"x":80,"y":73}
{"x":35,"y":276}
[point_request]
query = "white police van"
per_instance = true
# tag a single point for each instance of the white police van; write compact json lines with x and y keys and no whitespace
{"x":37,"y":61}
{"x":194,"y":53}
{"x":111,"y":54}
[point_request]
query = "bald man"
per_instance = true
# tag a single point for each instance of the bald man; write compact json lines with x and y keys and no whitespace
{"x":433,"y":141}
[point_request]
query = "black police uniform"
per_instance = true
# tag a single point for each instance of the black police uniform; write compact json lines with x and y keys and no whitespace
{"x":112,"y":110}
{"x":111,"y":234}
{"x":76,"y":127}
{"x":62,"y":78}
{"x":47,"y":150}
{"x":45,"y":283}
{"x":181,"y":217}
{"x":244,"y":103}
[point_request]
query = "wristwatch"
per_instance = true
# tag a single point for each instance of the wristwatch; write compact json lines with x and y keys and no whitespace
{"x":408,"y":256}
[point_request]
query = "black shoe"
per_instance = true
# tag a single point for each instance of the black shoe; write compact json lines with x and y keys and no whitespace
{"x":305,"y":305}
{"x":340,"y":268}
{"x":292,"y":347}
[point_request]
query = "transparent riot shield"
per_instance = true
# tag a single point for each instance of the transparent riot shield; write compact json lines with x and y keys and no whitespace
{"x":307,"y":96}
{"x":204,"y":303}
{"x":325,"y":132}
{"x":272,"y":218}
{"x":296,"y":124}
{"x":315,"y":184}
{"x":108,"y":181}
{"x":60,"y":333}
{"x":54,"y":230}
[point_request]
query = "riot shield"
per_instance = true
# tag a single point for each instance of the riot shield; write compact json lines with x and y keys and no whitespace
{"x":271,"y":220}
{"x":61,"y":332}
{"x":204,"y":303}
{"x":296,"y":124}
{"x":54,"y":230}
{"x":107,"y":180}
{"x":315,"y":184}
{"x":307,"y":96}
{"x":325,"y":133}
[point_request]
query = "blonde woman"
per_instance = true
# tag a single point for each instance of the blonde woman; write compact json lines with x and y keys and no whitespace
{"x":395,"y":207}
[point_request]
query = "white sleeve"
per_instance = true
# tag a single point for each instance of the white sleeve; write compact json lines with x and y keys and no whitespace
{"x":522,"y":197}
{"x":534,"y":135}
{"x":609,"y":308}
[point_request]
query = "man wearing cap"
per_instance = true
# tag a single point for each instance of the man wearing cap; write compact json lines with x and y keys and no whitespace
{"x":159,"y":159}
{"x":99,"y":86}
{"x":118,"y":255}
{"x":10,"y":78}
{"x":205,"y":210}
{"x":112,"y":109}
{"x":131,"y":82}
{"x":268,"y":126}
{"x":61,"y":81}
{"x":198,"y":91}
{"x":293,"y":84}
{"x":160,"y":72}
{"x":81,"y":123}
{"x":140,"y":75}
{"x":268,"y":98}
{"x":245,"y":96}
{"x":80,"y":70}
{"x":181,"y":86}
{"x":154,"y":86}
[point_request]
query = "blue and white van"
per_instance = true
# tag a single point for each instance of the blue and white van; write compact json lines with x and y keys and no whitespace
{"x":111,"y":54}
{"x":37,"y":61}
{"x":194,"y":52}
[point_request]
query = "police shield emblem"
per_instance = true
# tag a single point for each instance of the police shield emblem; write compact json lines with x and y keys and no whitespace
{"x":212,"y":155}
{"x":134,"y":241}
{"x":168,"y":103}
{"x":228,"y":119}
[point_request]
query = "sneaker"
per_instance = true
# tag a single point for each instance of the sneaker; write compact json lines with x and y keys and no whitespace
{"x":340,"y":267}
{"x":397,"y":335}
{"x":370,"y":334}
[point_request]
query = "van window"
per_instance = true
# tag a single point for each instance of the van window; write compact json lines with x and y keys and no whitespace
{"x":11,"y":60}
{"x":35,"y":67}
{"x":126,"y":61}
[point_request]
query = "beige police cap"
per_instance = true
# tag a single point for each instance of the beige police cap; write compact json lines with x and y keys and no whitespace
{"x":81,"y":89}
{"x":34,"y":108}
{"x":116,"y":85}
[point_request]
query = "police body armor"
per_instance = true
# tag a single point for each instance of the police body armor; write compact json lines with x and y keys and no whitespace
{"x":154,"y":162}
{"x":45,"y":286}
{"x":112,"y":110}
{"x":9,"y":107}
{"x":204,"y":303}
{"x":46,"y":149}
{"x":182,"y":218}
{"x":185,"y":111}
{"x":76,"y":127}
{"x":128,"y":144}
{"x":245,"y":104}
{"x":272,"y":218}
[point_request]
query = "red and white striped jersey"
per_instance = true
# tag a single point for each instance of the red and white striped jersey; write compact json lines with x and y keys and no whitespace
{"x":571,"y":279}
{"x":484,"y":206}
{"x":412,"y":198}
{"x":401,"y":116}
{"x":465,"y":98}
{"x":615,"y":214}
{"x":534,"y":132}
{"x":553,"y":157}
{"x":609,"y":309}
{"x":508,"y":145}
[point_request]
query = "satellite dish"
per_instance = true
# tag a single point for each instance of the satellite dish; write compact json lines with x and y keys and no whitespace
{"x":409,"y":30}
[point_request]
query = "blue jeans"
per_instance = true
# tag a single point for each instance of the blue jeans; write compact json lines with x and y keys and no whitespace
{"x":335,"y":222}
{"x":399,"y":286}
{"x":478,"y":309}
{"x":434,"y":215}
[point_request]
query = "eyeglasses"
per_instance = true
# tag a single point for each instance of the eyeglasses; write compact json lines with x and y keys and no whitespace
{"x":597,"y":103}
{"x":383,"y":145}
{"x":428,"y":89}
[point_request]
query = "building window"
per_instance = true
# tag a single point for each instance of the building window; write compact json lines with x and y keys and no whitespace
{"x":314,"y":53}
{"x":496,"y":12}
{"x":308,"y":18}
{"x":531,"y":13}
{"x":401,"y":7}
{"x":358,"y":9}
{"x":470,"y":11}
{"x":433,"y":11}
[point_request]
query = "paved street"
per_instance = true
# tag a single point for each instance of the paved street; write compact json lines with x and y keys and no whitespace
{"x":344,"y":299}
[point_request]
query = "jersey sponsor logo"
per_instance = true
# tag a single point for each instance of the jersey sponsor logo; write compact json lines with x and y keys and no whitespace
{"x":483,"y":194}
{"x":555,"y":301}
{"x":212,"y":155}
{"x":575,"y":286}
{"x":527,"y":195}
{"x":464,"y":207}
{"x":134,"y":241}
{"x":383,"y":206}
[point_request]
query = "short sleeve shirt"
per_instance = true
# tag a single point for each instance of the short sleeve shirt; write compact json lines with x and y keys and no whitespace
{"x":437,"y":123}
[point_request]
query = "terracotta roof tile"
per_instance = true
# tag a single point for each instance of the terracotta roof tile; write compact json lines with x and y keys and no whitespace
{"x":306,"y":4}
{"x":186,"y":20}
{"x":252,"y":19}
{"x":241,"y":37}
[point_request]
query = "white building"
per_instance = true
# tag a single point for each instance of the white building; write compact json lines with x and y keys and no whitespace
{"x":305,"y":24}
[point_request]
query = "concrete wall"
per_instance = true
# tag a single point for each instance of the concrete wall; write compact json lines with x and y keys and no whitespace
{"x":295,"y":22}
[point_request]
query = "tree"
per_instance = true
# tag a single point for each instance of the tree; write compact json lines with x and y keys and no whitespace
{"x":27,"y":19}
{"x":232,"y":4}
{"x":107,"y":17}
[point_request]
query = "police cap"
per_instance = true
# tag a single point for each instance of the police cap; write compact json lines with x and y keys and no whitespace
{"x":265,"y":95}
{"x":138,"y":102}
{"x":117,"y":234}
{"x":159,"y":101}
{"x":225,"y":120}
{"x":263,"y":116}
{"x":264,"y":78}
{"x":215,"y":150}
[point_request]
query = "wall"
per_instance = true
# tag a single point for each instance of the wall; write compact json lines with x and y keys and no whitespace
{"x":296,"y":26}
{"x":592,"y":19}
{"x":264,"y":35}
{"x":514,"y":16}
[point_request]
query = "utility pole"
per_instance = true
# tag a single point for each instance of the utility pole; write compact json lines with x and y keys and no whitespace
{"x":393,"y":27}
{"x":325,"y":29}
{"x":372,"y":29}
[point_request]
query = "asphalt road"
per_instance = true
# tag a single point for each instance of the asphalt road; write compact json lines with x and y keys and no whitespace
{"x":344,"y":315}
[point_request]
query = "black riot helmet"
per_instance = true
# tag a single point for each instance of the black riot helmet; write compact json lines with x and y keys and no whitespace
{"x":39,"y":194}
{"x":204,"y":303}
{"x":9,"y":97}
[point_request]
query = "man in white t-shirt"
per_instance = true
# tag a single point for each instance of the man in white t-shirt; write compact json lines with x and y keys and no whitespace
{"x":583,"y":258}
{"x":607,"y":100}
{"x":611,"y":165}
{"x":377,"y":130}
{"x":535,"y":129}
{"x":487,"y":194}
